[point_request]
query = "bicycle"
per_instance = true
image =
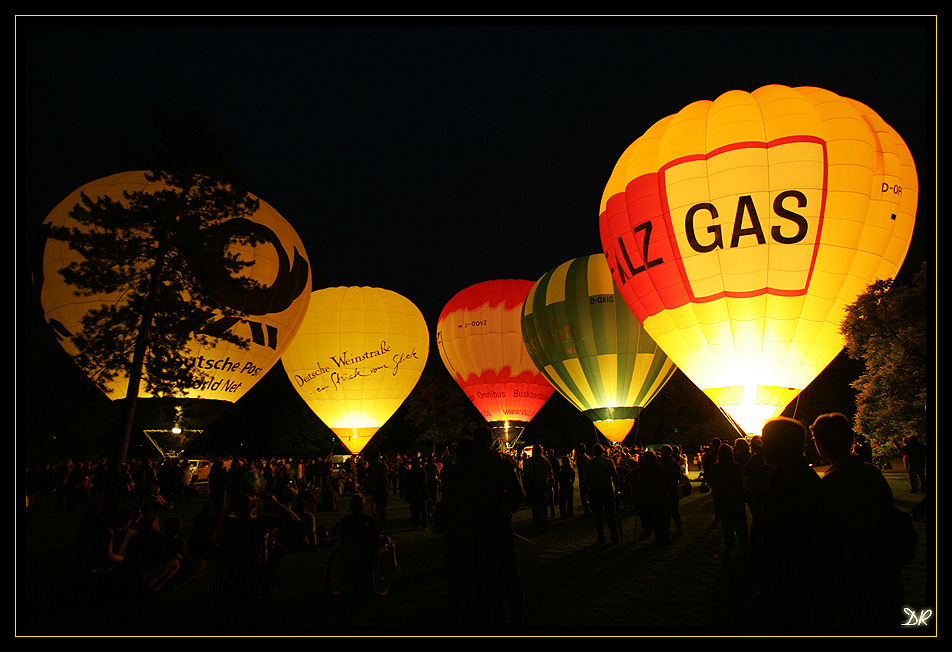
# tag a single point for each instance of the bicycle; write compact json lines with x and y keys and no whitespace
{"x":361,"y":562}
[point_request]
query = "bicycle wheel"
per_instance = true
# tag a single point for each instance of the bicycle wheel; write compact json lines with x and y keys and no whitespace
{"x":336,"y":579}
{"x":383,"y":571}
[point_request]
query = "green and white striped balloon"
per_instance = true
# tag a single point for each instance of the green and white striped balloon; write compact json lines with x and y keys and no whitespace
{"x":585,"y":340}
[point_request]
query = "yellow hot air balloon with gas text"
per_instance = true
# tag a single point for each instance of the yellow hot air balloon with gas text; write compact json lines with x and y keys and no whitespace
{"x":739,"y":229}
{"x":356,"y":357}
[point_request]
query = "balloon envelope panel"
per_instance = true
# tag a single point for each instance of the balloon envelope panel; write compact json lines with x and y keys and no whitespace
{"x":739,"y":229}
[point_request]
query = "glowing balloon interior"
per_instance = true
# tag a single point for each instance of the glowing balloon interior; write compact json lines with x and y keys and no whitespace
{"x":585,"y":340}
{"x":269,"y":314}
{"x":356,"y":357}
{"x":739,"y":229}
{"x":479,"y":335}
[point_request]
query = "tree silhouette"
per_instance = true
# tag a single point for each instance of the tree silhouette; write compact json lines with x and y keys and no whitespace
{"x":439,"y":410}
{"x":889,"y":328}
{"x":153,"y":249}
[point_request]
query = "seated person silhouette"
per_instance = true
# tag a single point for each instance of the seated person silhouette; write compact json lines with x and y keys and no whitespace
{"x":361,"y":535}
{"x":249,"y":552}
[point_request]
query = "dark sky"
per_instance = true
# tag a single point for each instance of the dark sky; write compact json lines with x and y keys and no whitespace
{"x":426,"y":155}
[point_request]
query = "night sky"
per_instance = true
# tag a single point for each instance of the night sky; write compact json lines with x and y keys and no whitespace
{"x":426,"y":155}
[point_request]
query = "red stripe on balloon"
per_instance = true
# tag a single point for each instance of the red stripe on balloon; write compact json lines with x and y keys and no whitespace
{"x":509,"y":292}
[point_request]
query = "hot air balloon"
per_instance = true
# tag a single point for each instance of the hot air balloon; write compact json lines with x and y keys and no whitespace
{"x":739,"y":229}
{"x":264,"y":316}
{"x":585,"y":340}
{"x":356,"y":357}
{"x":479,"y":335}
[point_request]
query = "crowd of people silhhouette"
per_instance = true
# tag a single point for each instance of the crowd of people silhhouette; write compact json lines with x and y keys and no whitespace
{"x":819,"y":549}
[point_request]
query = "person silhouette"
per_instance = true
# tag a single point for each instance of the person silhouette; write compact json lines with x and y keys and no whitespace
{"x":566,"y":482}
{"x":603,"y":482}
{"x":790,"y":534}
{"x":755,"y":473}
{"x":415,"y":492}
{"x":915,"y":453}
{"x":481,"y":492}
{"x":869,"y":587}
{"x":727,"y":489}
{"x":537,"y":481}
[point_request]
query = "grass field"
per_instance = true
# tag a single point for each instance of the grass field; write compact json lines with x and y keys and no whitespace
{"x":572,"y":586}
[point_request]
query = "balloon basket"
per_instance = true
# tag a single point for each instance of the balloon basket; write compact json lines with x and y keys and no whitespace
{"x":171,"y":443}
